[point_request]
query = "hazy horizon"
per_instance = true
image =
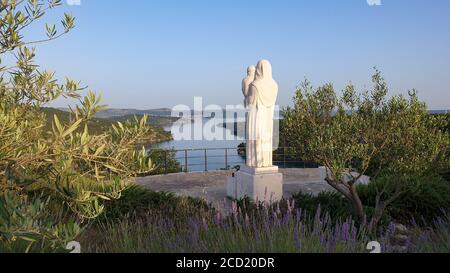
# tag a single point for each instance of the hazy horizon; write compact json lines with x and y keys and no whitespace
{"x":157,"y":54}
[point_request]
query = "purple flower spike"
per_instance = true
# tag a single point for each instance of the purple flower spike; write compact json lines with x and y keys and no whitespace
{"x":345,"y":232}
{"x":297,"y":237}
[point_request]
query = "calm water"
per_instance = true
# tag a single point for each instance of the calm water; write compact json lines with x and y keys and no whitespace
{"x":220,"y":154}
{"x":216,"y":149}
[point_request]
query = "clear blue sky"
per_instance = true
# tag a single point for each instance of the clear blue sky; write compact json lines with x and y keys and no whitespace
{"x":159,"y":53}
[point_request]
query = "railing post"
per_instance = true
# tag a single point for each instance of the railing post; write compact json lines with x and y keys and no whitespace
{"x":226,"y":159}
{"x":284,"y":157}
{"x":165,"y":162}
{"x":206,"y":161}
{"x":186,"y":165}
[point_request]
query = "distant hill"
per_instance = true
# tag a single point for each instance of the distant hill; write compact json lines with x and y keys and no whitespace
{"x":161,"y":121}
{"x":439,"y":112}
{"x":111,"y":113}
{"x":100,"y":125}
{"x":158,"y":117}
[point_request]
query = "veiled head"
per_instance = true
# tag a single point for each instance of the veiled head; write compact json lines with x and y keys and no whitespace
{"x":264,"y":70}
{"x":251,"y":70}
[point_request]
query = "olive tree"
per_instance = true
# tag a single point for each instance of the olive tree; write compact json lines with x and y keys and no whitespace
{"x":356,"y":134}
{"x":77,"y":170}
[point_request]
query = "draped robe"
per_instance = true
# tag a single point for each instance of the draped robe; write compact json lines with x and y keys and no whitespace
{"x":262,"y":96}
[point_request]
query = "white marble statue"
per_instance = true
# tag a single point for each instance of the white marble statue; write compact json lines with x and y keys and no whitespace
{"x":259,"y":180}
{"x":261,"y":98}
{"x":251,"y":70}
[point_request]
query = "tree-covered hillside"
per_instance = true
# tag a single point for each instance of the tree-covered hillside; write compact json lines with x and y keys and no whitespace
{"x":101,"y":125}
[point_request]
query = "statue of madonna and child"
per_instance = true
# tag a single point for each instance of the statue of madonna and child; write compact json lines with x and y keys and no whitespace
{"x":259,"y":179}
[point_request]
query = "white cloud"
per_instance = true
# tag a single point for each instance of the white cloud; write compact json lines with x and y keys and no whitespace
{"x":74,"y":2}
{"x":374,"y":2}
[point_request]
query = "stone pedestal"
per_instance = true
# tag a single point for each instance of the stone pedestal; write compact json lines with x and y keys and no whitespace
{"x":258,"y":184}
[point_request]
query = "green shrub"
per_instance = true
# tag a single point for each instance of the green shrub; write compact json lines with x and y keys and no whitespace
{"x":334,"y":205}
{"x":351,"y":132}
{"x":27,"y":226}
{"x":425,"y":200}
{"x":138,"y":201}
{"x":330,"y":202}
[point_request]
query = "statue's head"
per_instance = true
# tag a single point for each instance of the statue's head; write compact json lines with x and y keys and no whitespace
{"x":251,"y":70}
{"x":264,"y":70}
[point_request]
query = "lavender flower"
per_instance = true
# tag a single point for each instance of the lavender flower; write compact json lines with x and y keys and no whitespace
{"x":297,"y":237}
{"x":345,"y":232}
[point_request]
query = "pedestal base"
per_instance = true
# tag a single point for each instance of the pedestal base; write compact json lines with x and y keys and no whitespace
{"x":258,"y":184}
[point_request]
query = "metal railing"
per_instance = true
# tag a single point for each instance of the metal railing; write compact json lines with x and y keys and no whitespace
{"x":212,"y":159}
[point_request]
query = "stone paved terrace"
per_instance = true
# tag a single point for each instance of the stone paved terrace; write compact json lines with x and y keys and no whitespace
{"x":212,"y":185}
